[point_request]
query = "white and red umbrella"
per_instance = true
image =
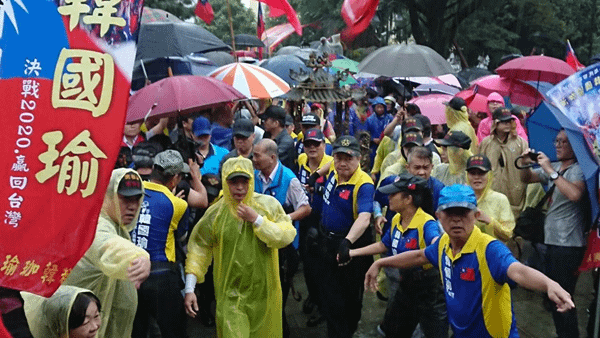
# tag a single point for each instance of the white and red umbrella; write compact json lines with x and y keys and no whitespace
{"x":433,"y":106}
{"x":253,"y":81}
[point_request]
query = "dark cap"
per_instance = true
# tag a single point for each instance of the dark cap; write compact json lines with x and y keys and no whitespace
{"x":243,"y":128}
{"x":412,"y":124}
{"x":346,"y":144}
{"x":212,"y":183}
{"x":314,"y":134}
{"x":275,"y":112}
{"x":170,"y":161}
{"x":130,"y":185}
{"x":201,"y":126}
{"x":456,"y":103}
{"x":412,"y":139}
{"x":457,"y":196}
{"x":455,"y":138}
{"x":238,"y":174}
{"x":311,"y":119}
{"x":480,"y":162}
{"x":404,"y":182}
{"x":502,"y":114}
{"x":289,"y":120}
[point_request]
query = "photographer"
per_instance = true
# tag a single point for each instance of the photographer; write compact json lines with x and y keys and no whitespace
{"x":564,"y":223}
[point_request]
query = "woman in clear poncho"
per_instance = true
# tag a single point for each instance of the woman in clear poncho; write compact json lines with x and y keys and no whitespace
{"x":71,"y":312}
{"x":246,"y":262}
{"x":104,"y":267}
{"x":496,"y":218}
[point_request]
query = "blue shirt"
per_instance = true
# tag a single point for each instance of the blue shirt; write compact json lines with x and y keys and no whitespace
{"x":343,"y":202}
{"x":221,"y":136}
{"x":163,"y":218}
{"x":476,"y":285}
{"x":436,"y":187}
{"x":213,"y":160}
{"x":418,"y":235}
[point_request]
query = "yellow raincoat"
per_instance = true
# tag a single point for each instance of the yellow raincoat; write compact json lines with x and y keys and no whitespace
{"x":497,"y":207}
{"x":385,"y":147}
{"x":459,"y":120}
{"x":502,"y":155}
{"x":103,"y":268}
{"x":453,"y":172}
{"x":246,"y":261}
{"x":49,"y":317}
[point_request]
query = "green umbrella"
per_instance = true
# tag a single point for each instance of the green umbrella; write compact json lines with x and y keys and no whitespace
{"x":343,"y":64}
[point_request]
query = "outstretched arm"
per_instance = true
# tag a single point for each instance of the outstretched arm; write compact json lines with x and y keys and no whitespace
{"x":534,"y":280}
{"x":404,"y":260}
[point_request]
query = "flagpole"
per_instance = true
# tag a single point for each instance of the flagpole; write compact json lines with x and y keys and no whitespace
{"x":231,"y":29}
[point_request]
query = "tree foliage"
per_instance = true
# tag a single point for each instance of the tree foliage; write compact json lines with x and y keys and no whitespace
{"x":243,"y":19}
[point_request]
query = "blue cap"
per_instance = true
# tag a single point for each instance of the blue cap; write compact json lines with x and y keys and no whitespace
{"x":201,"y":126}
{"x":457,"y":196}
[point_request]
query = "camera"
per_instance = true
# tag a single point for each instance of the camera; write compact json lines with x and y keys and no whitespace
{"x":533,"y":156}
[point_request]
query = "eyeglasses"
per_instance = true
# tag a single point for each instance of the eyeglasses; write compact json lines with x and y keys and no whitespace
{"x":310,"y":144}
{"x":561,"y":142}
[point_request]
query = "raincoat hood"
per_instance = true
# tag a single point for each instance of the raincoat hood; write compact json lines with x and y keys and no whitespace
{"x":454,"y":116}
{"x":488,"y":187}
{"x":110,"y":206}
{"x":237,"y":164}
{"x":513,"y":128}
{"x":49,"y":317}
{"x":376,"y":101}
{"x":457,"y":159}
{"x":494,"y":97}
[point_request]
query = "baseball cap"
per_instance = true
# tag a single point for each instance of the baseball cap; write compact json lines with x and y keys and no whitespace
{"x":310,"y":119}
{"x":457,"y":196}
{"x":201,"y":126}
{"x":456,"y":103}
{"x":404,"y":182}
{"x":212,"y":183}
{"x":289,"y":120}
{"x":346,"y":144}
{"x":130,"y":185}
{"x":238,"y":174}
{"x":502,"y":114}
{"x":170,"y":161}
{"x":495,"y":97}
{"x":480,"y":162}
{"x":243,"y":128}
{"x":455,"y":138}
{"x":242,"y":114}
{"x":412,"y":139}
{"x":314,"y":134}
{"x":275,"y":112}
{"x":412,"y":124}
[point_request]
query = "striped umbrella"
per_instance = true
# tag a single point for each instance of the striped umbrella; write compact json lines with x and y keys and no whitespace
{"x":253,"y":81}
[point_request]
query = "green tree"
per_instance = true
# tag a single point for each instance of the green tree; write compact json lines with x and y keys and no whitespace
{"x":243,"y":19}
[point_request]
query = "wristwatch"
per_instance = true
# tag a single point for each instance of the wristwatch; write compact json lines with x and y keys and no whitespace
{"x":553,"y":176}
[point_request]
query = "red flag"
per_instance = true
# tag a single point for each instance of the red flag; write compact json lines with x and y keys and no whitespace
{"x":205,"y":11}
{"x":571,"y":59}
{"x":357,"y":15}
{"x":285,"y":6}
{"x":260,"y":29}
{"x":275,"y":12}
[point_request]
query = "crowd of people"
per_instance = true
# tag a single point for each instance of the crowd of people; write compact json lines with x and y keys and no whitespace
{"x":224,"y":206}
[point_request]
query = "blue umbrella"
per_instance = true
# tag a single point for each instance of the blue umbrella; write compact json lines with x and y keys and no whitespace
{"x":543,"y":126}
{"x":282,"y":64}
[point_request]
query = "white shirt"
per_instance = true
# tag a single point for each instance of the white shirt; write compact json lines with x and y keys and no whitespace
{"x":295,"y":196}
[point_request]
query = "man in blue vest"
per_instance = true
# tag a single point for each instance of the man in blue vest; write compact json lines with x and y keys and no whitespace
{"x":163,"y":221}
{"x":275,"y":179}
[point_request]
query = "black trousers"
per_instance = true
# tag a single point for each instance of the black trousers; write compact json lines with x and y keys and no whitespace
{"x":307,"y":241}
{"x":160,"y":297}
{"x":419,"y":299}
{"x":341,"y":288}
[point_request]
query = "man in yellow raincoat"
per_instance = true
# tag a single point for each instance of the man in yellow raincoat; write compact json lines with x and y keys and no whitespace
{"x":457,"y":119}
{"x":242,"y":233}
{"x":113,"y":267}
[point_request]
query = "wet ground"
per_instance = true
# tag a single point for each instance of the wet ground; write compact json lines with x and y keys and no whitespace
{"x":532,"y":319}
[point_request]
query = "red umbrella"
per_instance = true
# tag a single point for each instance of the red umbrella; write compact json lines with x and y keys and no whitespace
{"x":178,"y":95}
{"x":536,"y":68}
{"x":519,"y":92}
{"x":475,"y":101}
{"x":433,"y":106}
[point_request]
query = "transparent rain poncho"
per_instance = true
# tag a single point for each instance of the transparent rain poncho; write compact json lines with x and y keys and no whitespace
{"x":459,"y":120}
{"x":453,"y":172}
{"x":497,"y":207}
{"x":246,"y":261}
{"x":103,"y":268}
{"x":49,"y":317}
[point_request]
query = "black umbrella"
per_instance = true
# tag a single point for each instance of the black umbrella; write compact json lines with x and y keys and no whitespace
{"x":160,"y":39}
{"x":247,"y":40}
{"x":220,"y":58}
{"x":467,"y":75}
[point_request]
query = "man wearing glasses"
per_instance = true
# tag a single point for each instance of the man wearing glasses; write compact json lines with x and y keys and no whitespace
{"x":564,"y":223}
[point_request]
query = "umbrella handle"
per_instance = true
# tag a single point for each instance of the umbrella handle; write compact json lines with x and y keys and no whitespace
{"x":523,"y":167}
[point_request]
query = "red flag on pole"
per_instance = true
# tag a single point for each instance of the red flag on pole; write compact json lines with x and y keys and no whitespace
{"x":283,"y":5}
{"x":357,"y":15}
{"x":260,"y":29}
{"x":571,"y":59}
{"x":204,"y":11}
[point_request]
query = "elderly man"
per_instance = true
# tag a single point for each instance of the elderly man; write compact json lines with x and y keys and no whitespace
{"x":242,"y":232}
{"x":346,"y":214}
{"x":113,"y":267}
{"x":565,"y":221}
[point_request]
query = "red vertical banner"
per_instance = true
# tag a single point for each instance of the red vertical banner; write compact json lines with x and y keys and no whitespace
{"x":65,"y":76}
